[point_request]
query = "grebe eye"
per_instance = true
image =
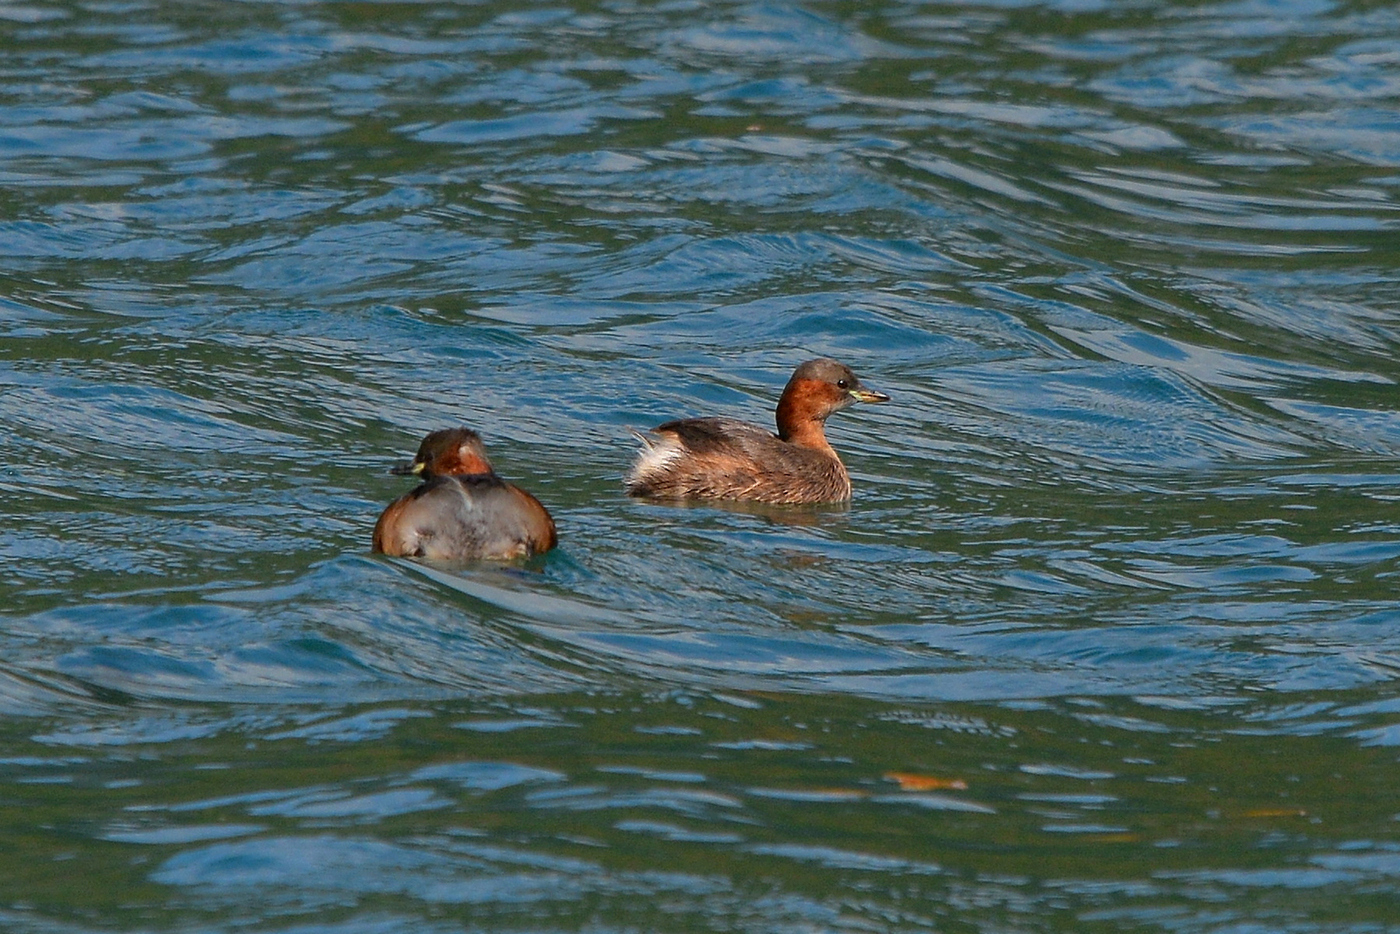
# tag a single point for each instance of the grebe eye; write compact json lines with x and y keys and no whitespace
{"x":844,"y":384}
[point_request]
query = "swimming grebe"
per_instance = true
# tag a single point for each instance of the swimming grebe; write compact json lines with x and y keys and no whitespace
{"x":462,"y":511}
{"x":724,"y":458}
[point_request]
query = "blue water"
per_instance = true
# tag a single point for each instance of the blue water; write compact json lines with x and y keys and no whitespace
{"x":1107,"y":639}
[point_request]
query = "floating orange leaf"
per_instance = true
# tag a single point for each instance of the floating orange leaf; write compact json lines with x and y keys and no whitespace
{"x":910,"y":781}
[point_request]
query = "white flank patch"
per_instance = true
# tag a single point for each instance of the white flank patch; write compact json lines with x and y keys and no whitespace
{"x":655,"y":457}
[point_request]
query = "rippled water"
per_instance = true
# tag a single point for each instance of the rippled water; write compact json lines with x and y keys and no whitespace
{"x":1108,"y":638}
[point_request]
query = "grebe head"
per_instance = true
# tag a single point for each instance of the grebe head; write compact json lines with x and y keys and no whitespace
{"x":449,"y":451}
{"x":818,"y":388}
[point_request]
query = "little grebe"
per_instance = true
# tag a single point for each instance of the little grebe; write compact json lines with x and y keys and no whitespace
{"x":724,"y":458}
{"x":462,"y":511}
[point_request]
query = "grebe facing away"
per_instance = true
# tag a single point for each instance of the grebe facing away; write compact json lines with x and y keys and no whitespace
{"x":724,"y":458}
{"x":462,"y":511}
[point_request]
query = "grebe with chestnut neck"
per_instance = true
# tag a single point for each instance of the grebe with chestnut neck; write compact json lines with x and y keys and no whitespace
{"x":462,"y":511}
{"x":729,"y":459}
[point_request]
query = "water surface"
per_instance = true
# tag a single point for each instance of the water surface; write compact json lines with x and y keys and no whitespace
{"x":1107,"y":639}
